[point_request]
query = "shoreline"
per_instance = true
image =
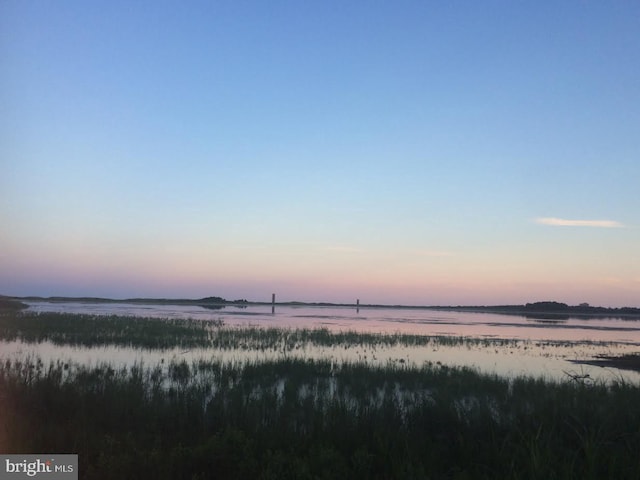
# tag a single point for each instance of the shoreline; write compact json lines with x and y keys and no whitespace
{"x":540,"y":310}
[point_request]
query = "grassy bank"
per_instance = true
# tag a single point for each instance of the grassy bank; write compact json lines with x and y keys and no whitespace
{"x":8,"y":305}
{"x":314,"y":419}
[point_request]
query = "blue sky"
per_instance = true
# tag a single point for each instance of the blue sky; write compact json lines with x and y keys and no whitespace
{"x":396,"y":152}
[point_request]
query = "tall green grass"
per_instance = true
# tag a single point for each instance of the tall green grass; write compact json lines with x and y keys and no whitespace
{"x":94,"y":330}
{"x":302,"y":419}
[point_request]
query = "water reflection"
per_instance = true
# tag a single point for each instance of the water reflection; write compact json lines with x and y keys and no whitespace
{"x":547,"y":317}
{"x":213,"y":307}
{"x":382,"y":320}
{"x":547,"y":347}
{"x":518,"y":358}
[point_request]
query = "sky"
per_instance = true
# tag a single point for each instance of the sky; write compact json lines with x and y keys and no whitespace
{"x":406,"y":152}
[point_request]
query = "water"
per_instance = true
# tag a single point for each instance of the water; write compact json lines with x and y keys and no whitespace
{"x":382,"y":320}
{"x":538,"y":347}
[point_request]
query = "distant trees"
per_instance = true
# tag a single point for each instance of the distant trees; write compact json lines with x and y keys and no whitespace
{"x":213,"y":300}
{"x":220,"y":300}
{"x":546,"y":306}
{"x":583,"y":308}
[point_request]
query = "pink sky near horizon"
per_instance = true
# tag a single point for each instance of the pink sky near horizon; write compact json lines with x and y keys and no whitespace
{"x":442,"y":279}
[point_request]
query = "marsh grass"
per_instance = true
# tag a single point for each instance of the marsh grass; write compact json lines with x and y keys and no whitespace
{"x":294,"y":418}
{"x":161,"y":333}
{"x":8,"y":304}
{"x":95,"y":330}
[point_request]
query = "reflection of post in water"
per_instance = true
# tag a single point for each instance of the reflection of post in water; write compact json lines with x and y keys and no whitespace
{"x":357,"y":305}
{"x":273,"y":303}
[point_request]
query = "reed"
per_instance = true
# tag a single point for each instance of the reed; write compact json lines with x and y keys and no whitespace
{"x":94,"y":330}
{"x":294,"y":418}
{"x":162,"y":333}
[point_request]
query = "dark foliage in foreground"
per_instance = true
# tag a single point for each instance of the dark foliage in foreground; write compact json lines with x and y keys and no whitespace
{"x":296,"y":419}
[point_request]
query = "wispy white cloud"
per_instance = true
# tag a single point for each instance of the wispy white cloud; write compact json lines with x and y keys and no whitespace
{"x":562,"y":222}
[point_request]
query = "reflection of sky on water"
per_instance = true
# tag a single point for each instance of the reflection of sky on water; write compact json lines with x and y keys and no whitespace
{"x":542,"y":349}
{"x":384,"y":320}
{"x":517,"y":358}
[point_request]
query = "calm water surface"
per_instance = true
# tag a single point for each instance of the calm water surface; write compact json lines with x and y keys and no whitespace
{"x":539,"y":347}
{"x":382,"y":320}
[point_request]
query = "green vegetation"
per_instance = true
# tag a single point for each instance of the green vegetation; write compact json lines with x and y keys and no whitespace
{"x":303,"y":419}
{"x":94,"y":330}
{"x":10,"y":305}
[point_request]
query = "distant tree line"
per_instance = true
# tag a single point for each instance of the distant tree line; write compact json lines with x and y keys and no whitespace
{"x":552,"y":307}
{"x":582,"y":308}
{"x":222,"y":300}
